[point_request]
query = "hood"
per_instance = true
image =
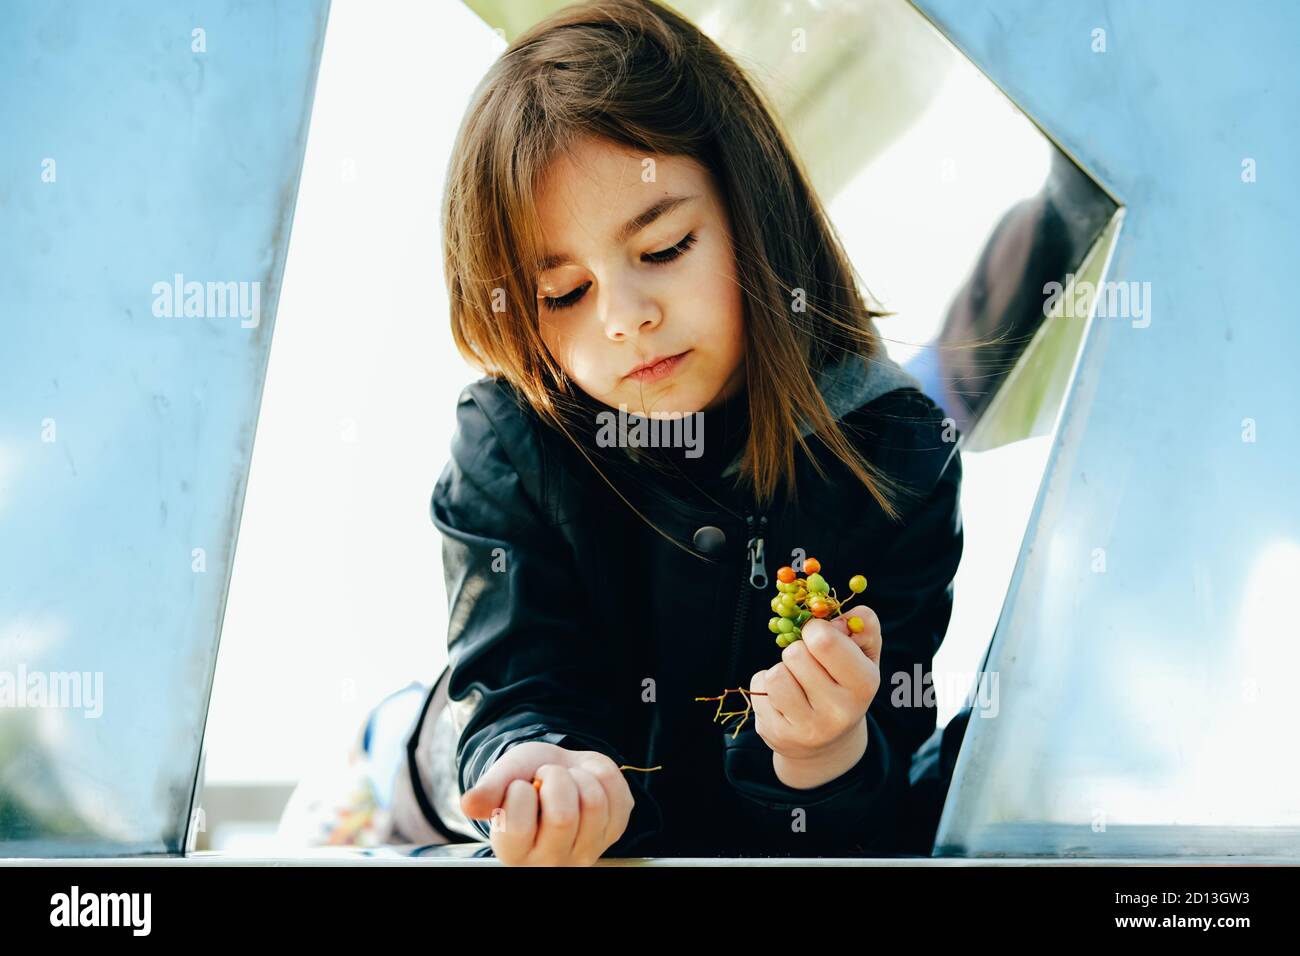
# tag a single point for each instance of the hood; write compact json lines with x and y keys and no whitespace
{"x":849,"y":384}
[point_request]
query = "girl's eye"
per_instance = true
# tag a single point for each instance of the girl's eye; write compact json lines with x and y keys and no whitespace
{"x":672,"y":252}
{"x":565,"y":301}
{"x":656,"y":258}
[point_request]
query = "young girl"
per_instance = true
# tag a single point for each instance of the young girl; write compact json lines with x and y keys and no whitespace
{"x":628,"y":233}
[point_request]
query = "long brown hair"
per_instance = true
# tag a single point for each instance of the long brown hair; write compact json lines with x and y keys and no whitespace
{"x":640,"y":75}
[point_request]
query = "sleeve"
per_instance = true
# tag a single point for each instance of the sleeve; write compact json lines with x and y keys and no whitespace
{"x":526,"y":661}
{"x":911,"y":591}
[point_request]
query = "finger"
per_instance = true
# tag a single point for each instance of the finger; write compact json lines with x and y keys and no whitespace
{"x":837,"y":652}
{"x":560,"y":814}
{"x":840,"y":623}
{"x":514,"y":824}
{"x":801,"y":659}
{"x":765,"y":710}
{"x":840,"y":657}
{"x":869,"y":638}
{"x":617,"y":791}
{"x":787,"y":695}
{"x":593,"y":810}
{"x":517,"y":763}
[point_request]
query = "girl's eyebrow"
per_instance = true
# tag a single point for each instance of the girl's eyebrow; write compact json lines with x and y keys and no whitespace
{"x":660,"y":207}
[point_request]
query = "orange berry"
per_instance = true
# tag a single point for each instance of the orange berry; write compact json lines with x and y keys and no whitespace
{"x":811,"y":565}
{"x":785,"y":575}
{"x":819,"y":607}
{"x":537,"y":783}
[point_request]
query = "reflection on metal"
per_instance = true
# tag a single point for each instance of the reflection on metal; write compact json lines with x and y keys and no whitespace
{"x":999,"y":311}
{"x":147,"y":182}
{"x":1147,"y":646}
{"x":1029,"y":398}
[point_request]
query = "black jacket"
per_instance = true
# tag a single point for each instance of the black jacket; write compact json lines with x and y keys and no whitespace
{"x":572,"y":621}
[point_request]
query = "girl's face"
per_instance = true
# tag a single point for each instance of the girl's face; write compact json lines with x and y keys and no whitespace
{"x":637,"y":271}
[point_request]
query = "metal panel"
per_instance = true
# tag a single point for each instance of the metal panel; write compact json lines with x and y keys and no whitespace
{"x":147,"y":182}
{"x":1145,"y":649}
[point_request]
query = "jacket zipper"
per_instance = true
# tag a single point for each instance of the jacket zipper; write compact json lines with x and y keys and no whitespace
{"x":755,"y":577}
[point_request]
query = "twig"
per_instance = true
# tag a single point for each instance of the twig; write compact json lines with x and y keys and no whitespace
{"x":742,"y":714}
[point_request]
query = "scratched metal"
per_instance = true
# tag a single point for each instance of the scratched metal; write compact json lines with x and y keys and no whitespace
{"x":1147,"y":647}
{"x":135,"y":150}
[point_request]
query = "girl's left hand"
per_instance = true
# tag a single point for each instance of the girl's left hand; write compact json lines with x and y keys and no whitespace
{"x":820,"y":691}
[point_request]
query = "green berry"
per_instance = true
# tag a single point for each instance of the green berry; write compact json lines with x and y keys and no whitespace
{"x":784,"y":625}
{"x":774,"y":625}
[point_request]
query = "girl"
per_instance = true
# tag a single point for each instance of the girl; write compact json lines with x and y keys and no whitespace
{"x":628,"y":232}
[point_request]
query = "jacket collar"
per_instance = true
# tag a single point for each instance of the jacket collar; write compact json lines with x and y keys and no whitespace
{"x":850,"y":383}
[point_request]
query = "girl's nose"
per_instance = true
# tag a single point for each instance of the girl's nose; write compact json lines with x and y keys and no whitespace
{"x":629,"y":314}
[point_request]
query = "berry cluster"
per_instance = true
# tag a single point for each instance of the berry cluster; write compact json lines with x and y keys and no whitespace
{"x":802,"y":599}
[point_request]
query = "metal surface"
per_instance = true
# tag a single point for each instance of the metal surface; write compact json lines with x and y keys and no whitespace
{"x":1146,"y":647}
{"x":147,"y":146}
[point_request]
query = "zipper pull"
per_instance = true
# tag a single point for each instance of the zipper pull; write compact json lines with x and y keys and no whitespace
{"x":757,"y":568}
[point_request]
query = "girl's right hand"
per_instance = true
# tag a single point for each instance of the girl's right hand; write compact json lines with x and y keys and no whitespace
{"x":584,"y":800}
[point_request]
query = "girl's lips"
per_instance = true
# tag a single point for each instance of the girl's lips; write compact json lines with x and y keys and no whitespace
{"x":656,"y":372}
